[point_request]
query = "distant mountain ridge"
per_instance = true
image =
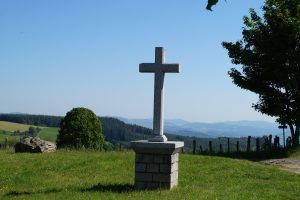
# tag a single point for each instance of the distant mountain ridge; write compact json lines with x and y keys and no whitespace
{"x":218,"y":129}
{"x":124,"y":130}
{"x":172,"y":126}
{"x":116,"y":131}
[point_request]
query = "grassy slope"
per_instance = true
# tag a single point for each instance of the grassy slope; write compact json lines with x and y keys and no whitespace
{"x":94,"y":175}
{"x":46,"y":133}
{"x":11,"y":127}
{"x":49,"y":134}
{"x":10,"y":138}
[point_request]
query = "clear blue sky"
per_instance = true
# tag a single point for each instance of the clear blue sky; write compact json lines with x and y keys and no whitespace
{"x":60,"y":54}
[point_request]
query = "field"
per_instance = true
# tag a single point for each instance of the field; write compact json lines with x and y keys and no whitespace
{"x":99,"y":175}
{"x":9,"y":127}
{"x":10,"y":138}
{"x":49,"y":134}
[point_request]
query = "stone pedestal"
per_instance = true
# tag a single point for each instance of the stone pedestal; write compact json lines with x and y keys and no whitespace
{"x":156,"y":164}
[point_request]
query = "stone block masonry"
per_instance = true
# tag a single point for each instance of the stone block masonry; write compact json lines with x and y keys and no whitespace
{"x":156,"y":171}
{"x":156,"y":164}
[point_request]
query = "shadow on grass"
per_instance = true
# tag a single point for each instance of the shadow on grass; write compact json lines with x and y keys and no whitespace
{"x":19,"y":193}
{"x":118,"y":188}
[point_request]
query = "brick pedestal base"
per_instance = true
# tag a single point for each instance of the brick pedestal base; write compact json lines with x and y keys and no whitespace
{"x":156,"y":164}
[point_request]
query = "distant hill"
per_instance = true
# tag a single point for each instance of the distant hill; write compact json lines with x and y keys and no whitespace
{"x":174,"y":126}
{"x":37,"y":120}
{"x":214,"y":130}
{"x":117,"y":131}
{"x":114,"y":130}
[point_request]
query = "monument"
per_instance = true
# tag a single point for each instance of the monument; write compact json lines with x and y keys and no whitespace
{"x":156,"y":159}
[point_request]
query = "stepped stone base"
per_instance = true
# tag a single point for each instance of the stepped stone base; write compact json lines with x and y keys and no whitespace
{"x":156,"y":164}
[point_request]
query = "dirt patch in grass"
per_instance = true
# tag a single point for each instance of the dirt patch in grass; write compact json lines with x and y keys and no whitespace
{"x":289,"y":164}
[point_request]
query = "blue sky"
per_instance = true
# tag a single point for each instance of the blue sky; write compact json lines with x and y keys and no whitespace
{"x":60,"y":54}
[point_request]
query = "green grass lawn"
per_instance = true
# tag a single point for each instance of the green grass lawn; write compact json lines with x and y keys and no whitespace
{"x":12,"y":139}
{"x":49,"y":134}
{"x":99,"y":175}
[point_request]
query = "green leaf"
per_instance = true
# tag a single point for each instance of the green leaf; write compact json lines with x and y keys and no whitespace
{"x":211,"y":3}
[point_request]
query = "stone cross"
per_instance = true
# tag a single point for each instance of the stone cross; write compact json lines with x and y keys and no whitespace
{"x":159,"y":68}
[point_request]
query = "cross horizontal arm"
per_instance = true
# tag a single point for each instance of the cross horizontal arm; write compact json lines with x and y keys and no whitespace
{"x":154,"y":67}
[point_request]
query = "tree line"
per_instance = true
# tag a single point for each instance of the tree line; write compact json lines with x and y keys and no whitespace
{"x":36,"y":120}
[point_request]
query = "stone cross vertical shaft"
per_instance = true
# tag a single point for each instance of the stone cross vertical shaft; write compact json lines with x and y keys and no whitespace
{"x":159,"y":68}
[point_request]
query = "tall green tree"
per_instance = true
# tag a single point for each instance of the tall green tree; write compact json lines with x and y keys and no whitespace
{"x":80,"y":128}
{"x":269,"y":57}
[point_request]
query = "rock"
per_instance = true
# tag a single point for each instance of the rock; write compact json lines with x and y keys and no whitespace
{"x":34,"y":145}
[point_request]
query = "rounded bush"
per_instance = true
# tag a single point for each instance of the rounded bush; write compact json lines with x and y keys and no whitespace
{"x":80,"y":128}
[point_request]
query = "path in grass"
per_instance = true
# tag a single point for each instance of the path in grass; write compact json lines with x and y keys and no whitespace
{"x":289,"y":164}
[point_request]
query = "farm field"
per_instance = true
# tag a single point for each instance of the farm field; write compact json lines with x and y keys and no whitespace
{"x":11,"y":127}
{"x":46,"y":133}
{"x":49,"y":134}
{"x":10,"y":138}
{"x":99,"y":175}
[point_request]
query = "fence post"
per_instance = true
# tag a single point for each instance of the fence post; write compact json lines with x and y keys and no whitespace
{"x":221,"y":148}
{"x":120,"y":147}
{"x":270,"y":142}
{"x":200,"y":148}
{"x":288,"y":142}
{"x":210,"y":146}
{"x":228,"y":145}
{"x":257,"y":145}
{"x":276,"y":142}
{"x":266,"y":143}
{"x":248,"y":144}
{"x":237,"y":146}
{"x":194,"y":146}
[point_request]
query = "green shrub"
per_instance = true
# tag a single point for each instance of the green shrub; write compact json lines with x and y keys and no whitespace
{"x":108,"y":146}
{"x":80,"y":128}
